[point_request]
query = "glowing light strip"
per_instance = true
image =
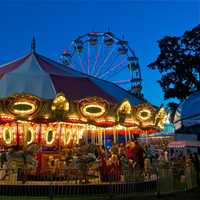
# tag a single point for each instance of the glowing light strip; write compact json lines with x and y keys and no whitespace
{"x":5,"y":116}
{"x":148,"y":114}
{"x":53,"y":136}
{"x":147,"y":123}
{"x":66,"y":135}
{"x":86,"y":113}
{"x":108,"y":119}
{"x":73,"y":117}
{"x":131,"y":121}
{"x":8,"y":141}
{"x":32,"y":135}
{"x":32,"y":109}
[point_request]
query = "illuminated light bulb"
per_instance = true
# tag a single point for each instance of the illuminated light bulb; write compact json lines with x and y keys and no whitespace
{"x":46,"y":116}
{"x":53,"y":107}
{"x":7,"y":130}
{"x":73,"y":117}
{"x":93,"y":114}
{"x":53,"y":136}
{"x":66,"y":106}
{"x":111,"y":119}
{"x":125,"y":107}
{"x":30,"y":118}
{"x":148,"y":114}
{"x":27,"y":111}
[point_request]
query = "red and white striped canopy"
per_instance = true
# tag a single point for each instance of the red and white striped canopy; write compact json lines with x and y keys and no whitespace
{"x":43,"y":77}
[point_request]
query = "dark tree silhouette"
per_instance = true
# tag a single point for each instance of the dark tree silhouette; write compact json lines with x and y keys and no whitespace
{"x":179,"y":64}
{"x":172,"y":109}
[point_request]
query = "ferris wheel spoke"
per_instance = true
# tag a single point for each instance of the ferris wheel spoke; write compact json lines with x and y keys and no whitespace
{"x":80,"y":60}
{"x":98,"y":67}
{"x":113,"y":73}
{"x":105,"y":60}
{"x":88,"y":59}
{"x":121,"y":64}
{"x":104,"y":70}
{"x":98,"y":53}
{"x":73,"y":61}
{"x":117,"y":71}
{"x":114,"y":65}
{"x":77,"y":64}
{"x":72,"y":64}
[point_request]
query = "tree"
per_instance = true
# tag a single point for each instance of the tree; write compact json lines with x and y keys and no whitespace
{"x":179,"y":64}
{"x":172,"y":109}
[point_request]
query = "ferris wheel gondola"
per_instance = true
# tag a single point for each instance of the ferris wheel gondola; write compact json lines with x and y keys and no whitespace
{"x":105,"y":56}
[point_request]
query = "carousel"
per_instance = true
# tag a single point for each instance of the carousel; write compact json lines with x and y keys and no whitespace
{"x":53,"y":106}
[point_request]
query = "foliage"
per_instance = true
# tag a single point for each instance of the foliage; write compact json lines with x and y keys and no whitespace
{"x":172,"y":108}
{"x":179,"y":64}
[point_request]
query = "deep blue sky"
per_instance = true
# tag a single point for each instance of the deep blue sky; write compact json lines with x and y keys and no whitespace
{"x":56,"y":22}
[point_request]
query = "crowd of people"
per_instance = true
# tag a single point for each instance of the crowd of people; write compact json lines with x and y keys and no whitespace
{"x":132,"y":161}
{"x":119,"y":161}
{"x":187,"y":165}
{"x":129,"y":161}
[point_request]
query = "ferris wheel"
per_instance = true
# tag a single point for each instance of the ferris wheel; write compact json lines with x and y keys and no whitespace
{"x":105,"y":56}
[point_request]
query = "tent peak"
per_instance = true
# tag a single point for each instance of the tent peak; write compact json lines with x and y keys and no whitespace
{"x":33,"y":44}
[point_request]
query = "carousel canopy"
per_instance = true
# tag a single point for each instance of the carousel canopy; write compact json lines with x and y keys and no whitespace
{"x":43,"y":77}
{"x":188,"y":112}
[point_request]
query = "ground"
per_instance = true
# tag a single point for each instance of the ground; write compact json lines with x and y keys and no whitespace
{"x":191,"y":195}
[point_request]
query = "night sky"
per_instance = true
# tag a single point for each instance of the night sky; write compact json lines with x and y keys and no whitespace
{"x":55,"y":23}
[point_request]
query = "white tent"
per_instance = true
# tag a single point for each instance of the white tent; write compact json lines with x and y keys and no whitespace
{"x":188,"y":112}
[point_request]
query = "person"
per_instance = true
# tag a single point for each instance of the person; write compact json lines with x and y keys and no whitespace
{"x":188,"y":171}
{"x":114,"y":168}
{"x":124,"y":163}
{"x":103,"y":168}
{"x":138,"y":154}
{"x":122,"y":150}
{"x":166,"y":155}
{"x":147,"y":167}
{"x":129,"y":152}
{"x":195,"y":161}
{"x":3,"y":172}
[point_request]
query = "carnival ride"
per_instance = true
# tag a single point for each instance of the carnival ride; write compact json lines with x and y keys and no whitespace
{"x":105,"y":56}
{"x":65,"y":106}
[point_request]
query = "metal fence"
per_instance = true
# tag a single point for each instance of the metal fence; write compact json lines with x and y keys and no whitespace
{"x":157,"y":180}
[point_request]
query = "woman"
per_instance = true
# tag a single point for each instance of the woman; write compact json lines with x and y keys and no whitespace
{"x":188,"y":171}
{"x":114,"y":168}
{"x":103,"y":168}
{"x":195,"y":161}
